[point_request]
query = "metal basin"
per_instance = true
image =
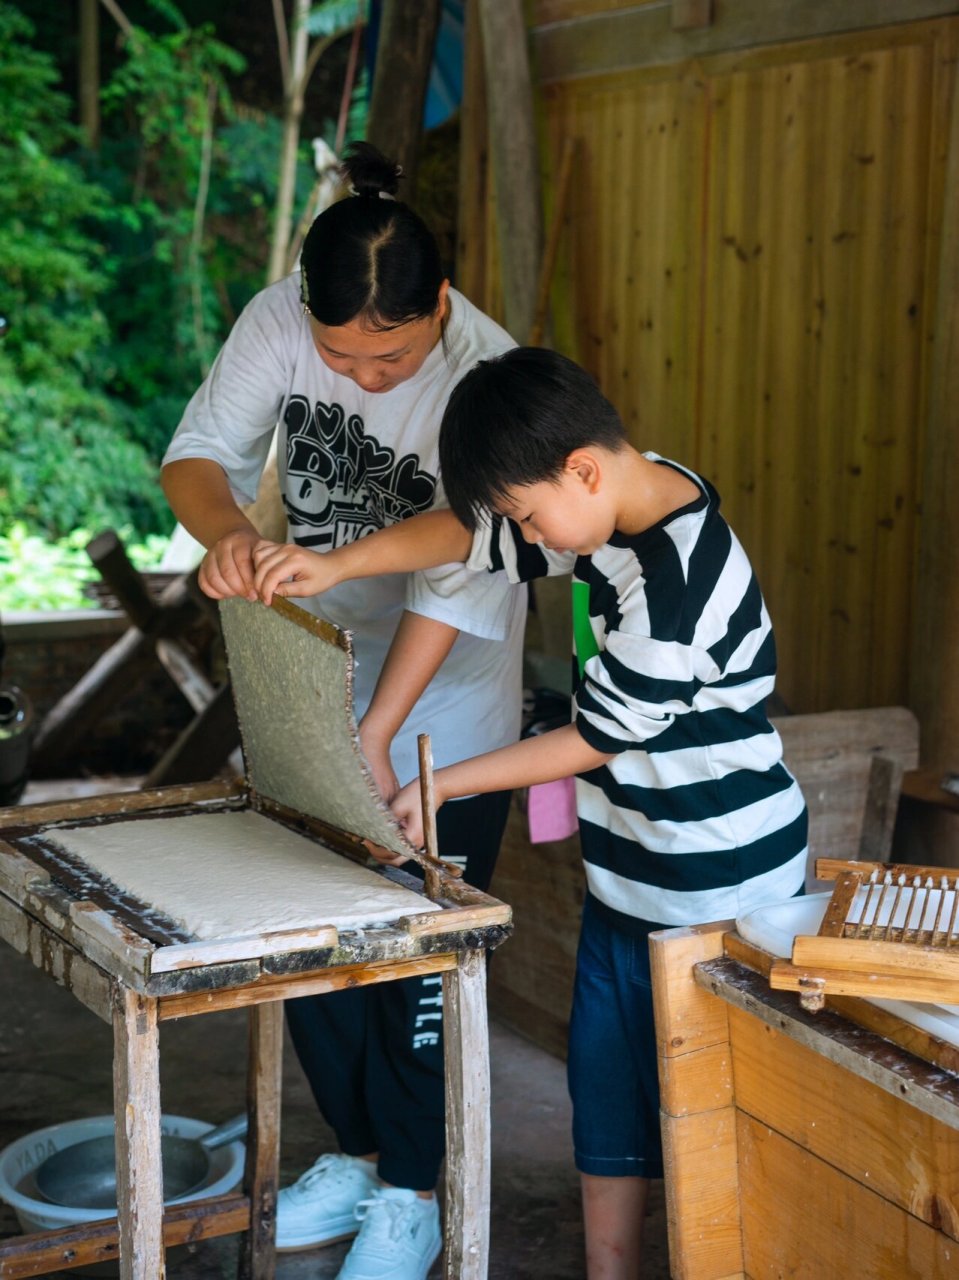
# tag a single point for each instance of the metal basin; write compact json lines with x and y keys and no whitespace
{"x":84,"y":1175}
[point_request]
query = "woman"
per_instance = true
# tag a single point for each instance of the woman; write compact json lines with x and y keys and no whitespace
{"x":354,"y":356}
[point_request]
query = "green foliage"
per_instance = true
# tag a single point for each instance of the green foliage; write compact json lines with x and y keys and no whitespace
{"x":68,"y":460}
{"x":65,"y":455}
{"x":52,"y":270}
{"x":164,"y":102}
{"x":121,"y":271}
{"x":36,"y":573}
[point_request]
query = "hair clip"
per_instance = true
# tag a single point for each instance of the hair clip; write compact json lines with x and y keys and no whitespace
{"x":383,"y":195}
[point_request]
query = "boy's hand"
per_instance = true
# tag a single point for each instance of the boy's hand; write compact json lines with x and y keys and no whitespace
{"x":407,"y":807}
{"x":284,"y":569}
{"x":227,"y":568}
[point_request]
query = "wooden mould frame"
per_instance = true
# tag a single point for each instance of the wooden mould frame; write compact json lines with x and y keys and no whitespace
{"x":859,"y":949}
{"x":134,"y":969}
{"x":147,"y":952}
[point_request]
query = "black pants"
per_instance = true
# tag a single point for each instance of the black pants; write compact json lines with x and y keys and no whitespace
{"x":373,"y":1055}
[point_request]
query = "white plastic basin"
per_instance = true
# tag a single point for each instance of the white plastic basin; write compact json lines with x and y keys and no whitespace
{"x":20,"y":1160}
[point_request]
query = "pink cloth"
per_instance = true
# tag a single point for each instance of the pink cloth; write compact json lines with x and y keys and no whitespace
{"x":551,"y":811}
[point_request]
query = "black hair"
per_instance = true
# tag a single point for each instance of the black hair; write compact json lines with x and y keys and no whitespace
{"x":369,"y":256}
{"x":514,"y":420}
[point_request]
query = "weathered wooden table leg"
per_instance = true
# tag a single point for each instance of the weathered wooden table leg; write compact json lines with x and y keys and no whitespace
{"x":262,"y":1173}
{"x":466,"y":1041}
{"x":136,"y":1102}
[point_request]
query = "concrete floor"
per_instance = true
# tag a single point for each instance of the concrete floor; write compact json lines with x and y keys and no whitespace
{"x":56,"y":1062}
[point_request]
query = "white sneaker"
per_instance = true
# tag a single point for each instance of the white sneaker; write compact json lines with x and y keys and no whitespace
{"x":319,"y":1207}
{"x":399,"y":1239}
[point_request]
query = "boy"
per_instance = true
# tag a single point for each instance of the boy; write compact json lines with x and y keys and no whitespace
{"x":686,"y":811}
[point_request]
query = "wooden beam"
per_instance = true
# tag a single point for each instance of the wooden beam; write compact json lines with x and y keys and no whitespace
{"x":404,"y":55}
{"x":466,"y":1046}
{"x":122,"y":802}
{"x":262,"y":1173}
{"x":88,"y":72}
{"x":202,"y":747}
{"x":866,"y":1055}
{"x":97,"y":1242}
{"x":307,"y":984}
{"x":934,"y":672}
{"x":603,"y":42}
{"x":136,"y":1101}
{"x":63,"y":964}
{"x":697,"y":1107}
{"x":689,"y":14}
{"x":515,"y":158}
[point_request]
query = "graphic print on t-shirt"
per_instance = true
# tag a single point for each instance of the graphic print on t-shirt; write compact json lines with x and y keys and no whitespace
{"x":342,"y":482}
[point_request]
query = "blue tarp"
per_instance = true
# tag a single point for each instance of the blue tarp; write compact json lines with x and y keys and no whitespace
{"x":445,"y":88}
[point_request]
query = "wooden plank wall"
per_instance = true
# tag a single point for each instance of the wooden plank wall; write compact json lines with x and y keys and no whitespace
{"x":749,"y":266}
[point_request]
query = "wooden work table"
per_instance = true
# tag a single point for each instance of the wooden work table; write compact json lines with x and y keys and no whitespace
{"x":800,"y":1144}
{"x":123,"y":968}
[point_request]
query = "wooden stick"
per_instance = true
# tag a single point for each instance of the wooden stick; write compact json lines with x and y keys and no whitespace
{"x":429,"y":814}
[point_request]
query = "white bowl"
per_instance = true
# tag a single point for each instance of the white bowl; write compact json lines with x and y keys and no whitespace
{"x":20,"y":1160}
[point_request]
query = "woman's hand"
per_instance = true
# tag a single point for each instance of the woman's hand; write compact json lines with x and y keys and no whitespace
{"x":284,"y":569}
{"x":386,"y":856}
{"x":407,"y":808}
{"x":227,"y":568}
{"x":377,"y":753}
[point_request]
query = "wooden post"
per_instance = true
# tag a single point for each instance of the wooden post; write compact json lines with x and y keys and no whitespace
{"x":565,"y":173}
{"x":88,"y":72}
{"x":933,"y":670}
{"x":519,"y":224}
{"x":262,"y":1173}
{"x":202,"y":746}
{"x":136,"y":1101}
{"x":404,"y":56}
{"x":473,"y":175}
{"x":466,"y":1042}
{"x":697,"y":1108}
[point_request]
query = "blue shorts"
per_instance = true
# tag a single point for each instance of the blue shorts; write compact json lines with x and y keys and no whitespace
{"x":612,"y":1067}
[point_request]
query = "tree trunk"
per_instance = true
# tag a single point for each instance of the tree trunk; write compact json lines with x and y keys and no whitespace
{"x":509,"y":93}
{"x":293,"y":90}
{"x":88,"y":72}
{"x":404,"y":56}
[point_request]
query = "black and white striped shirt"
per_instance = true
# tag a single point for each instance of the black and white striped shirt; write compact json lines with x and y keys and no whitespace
{"x":695,"y":818}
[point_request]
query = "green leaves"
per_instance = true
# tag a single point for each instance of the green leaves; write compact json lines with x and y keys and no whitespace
{"x":67,"y":459}
{"x":37,"y":574}
{"x":335,"y":16}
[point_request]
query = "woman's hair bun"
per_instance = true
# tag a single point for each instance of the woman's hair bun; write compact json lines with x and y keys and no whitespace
{"x":368,"y":171}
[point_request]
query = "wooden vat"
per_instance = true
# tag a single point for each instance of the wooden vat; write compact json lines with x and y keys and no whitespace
{"x":798,"y":1144}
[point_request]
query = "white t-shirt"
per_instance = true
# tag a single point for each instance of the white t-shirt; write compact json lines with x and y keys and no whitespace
{"x":351,"y":462}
